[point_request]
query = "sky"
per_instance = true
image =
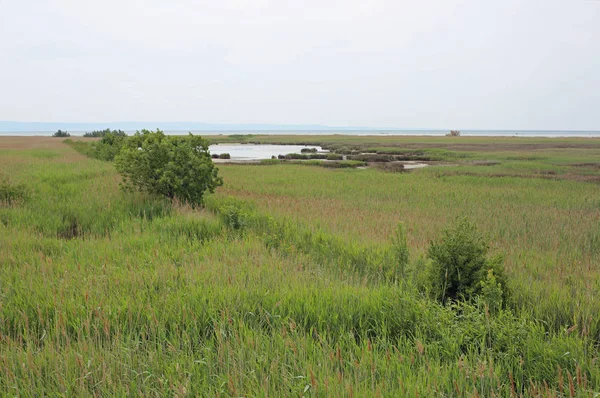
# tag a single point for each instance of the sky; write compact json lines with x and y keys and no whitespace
{"x":472,"y":64}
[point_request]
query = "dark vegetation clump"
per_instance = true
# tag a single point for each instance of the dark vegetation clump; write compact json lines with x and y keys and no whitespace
{"x":371,"y":157}
{"x":453,"y":133}
{"x":220,"y":156}
{"x":105,"y":132}
{"x":392,"y":167}
{"x":342,"y":164}
{"x":308,"y":150}
{"x":311,"y":156}
{"x":175,"y":167}
{"x":460,"y":268}
{"x":61,"y":134}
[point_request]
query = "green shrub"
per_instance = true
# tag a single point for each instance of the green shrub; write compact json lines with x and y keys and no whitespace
{"x":174,"y":167}
{"x":105,"y":132}
{"x":61,"y":134}
{"x":308,"y":150}
{"x":109,"y":146}
{"x":224,"y":156}
{"x":459,"y":265}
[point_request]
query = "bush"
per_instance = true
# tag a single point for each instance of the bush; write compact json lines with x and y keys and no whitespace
{"x":175,"y":167}
{"x":453,"y":133}
{"x":459,"y":267}
{"x":224,"y":156}
{"x":102,"y":133}
{"x":109,"y":146}
{"x":308,"y":150}
{"x":61,"y":134}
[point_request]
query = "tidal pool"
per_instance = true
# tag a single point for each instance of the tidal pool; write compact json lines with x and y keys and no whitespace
{"x":257,"y":151}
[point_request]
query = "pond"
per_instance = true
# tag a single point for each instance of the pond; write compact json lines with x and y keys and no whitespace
{"x":257,"y":151}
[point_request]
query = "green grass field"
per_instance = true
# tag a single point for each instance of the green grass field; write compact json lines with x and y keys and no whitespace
{"x":104,"y":292}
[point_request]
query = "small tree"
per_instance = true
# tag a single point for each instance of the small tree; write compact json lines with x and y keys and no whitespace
{"x":459,"y":268}
{"x":61,"y":134}
{"x":176,"y":167}
{"x":105,"y":132}
{"x":109,"y":146}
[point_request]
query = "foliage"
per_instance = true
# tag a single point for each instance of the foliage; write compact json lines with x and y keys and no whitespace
{"x":308,"y":150}
{"x":61,"y":133}
{"x":105,"y":132}
{"x":453,"y":133}
{"x":459,"y":264}
{"x":491,"y":292}
{"x":175,"y":167}
{"x":109,"y":146}
{"x":104,"y":293}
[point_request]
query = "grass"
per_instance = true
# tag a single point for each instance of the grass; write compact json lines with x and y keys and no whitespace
{"x":280,"y":287}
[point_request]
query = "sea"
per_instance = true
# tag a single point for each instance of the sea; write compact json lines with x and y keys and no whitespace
{"x":403,"y":132}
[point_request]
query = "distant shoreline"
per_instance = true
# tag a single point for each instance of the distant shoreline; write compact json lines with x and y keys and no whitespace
{"x":379,"y":133}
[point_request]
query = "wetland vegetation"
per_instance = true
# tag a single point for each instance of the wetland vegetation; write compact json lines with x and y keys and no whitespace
{"x":476,"y":276}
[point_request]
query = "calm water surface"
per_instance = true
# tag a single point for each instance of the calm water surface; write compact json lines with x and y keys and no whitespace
{"x":256,"y":152}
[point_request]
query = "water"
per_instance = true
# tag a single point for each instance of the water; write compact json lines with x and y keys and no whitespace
{"x":404,"y":132}
{"x":256,"y":152}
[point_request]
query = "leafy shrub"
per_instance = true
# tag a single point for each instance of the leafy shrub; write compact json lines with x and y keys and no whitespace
{"x":491,"y":292}
{"x":459,"y":265}
{"x":102,"y":133}
{"x":174,"y":167}
{"x":224,"y":156}
{"x":61,"y":134}
{"x":10,"y":193}
{"x":109,"y":146}
{"x":308,"y":150}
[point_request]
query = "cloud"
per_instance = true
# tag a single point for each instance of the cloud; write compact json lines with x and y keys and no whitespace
{"x":436,"y":63}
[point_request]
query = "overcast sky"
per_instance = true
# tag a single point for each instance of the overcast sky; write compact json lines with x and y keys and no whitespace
{"x":503,"y":64}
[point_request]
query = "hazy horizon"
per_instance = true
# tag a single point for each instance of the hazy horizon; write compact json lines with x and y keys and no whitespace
{"x":382,"y":65}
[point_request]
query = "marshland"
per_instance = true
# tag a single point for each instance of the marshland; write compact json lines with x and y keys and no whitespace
{"x":294,"y":279}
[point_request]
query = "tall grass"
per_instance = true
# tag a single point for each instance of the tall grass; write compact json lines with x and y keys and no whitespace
{"x":154,"y":298}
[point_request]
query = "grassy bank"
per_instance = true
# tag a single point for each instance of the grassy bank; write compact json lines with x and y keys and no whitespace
{"x":279,"y":286}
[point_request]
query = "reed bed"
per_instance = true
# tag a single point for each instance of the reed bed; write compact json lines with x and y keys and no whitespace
{"x":279,"y":286}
